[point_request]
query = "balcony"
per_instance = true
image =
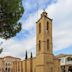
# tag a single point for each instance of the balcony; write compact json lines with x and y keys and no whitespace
{"x":69,"y":62}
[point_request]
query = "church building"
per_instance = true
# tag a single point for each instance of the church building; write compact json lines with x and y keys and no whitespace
{"x":44,"y":61}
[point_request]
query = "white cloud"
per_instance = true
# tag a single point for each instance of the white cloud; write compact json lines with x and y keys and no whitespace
{"x":61,"y":12}
{"x":17,"y":48}
{"x":31,"y":21}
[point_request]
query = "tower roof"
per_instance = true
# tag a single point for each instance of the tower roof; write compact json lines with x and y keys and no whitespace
{"x":44,"y":14}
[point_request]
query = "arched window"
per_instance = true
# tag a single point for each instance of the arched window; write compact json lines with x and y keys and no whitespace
{"x":47,"y":25}
{"x":47,"y":44}
{"x":39,"y":45}
{"x":39,"y":27}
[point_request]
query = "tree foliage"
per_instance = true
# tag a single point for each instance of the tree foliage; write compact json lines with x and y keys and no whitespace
{"x":1,"y":50}
{"x":10,"y":13}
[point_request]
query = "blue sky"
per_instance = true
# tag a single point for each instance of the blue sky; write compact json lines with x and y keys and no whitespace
{"x":61,"y":13}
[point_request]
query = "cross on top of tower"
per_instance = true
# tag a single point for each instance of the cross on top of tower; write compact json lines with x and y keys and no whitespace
{"x":44,"y":13}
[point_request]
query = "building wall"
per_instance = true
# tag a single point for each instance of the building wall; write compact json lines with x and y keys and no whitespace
{"x":15,"y":66}
{"x":18,"y":66}
{"x":44,"y":60}
{"x":7,"y":64}
{"x":1,"y":64}
{"x":57,"y":67}
{"x":29,"y":65}
{"x":65,"y":62}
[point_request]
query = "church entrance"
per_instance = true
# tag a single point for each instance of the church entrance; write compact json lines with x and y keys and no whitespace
{"x":70,"y":69}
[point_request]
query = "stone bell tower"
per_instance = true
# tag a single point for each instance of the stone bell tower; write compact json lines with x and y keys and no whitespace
{"x":44,"y":56}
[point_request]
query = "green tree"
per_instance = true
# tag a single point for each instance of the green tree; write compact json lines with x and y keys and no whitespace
{"x":1,"y":50}
{"x":10,"y":13}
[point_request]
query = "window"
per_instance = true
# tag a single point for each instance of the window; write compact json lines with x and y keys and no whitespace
{"x":47,"y":44}
{"x":39,"y":27}
{"x":47,"y":25}
{"x":6,"y":64}
{"x":62,"y":60}
{"x":39,"y":45}
{"x":63,"y":68}
{"x":51,"y":69}
{"x":69,"y":59}
{"x":6,"y":69}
